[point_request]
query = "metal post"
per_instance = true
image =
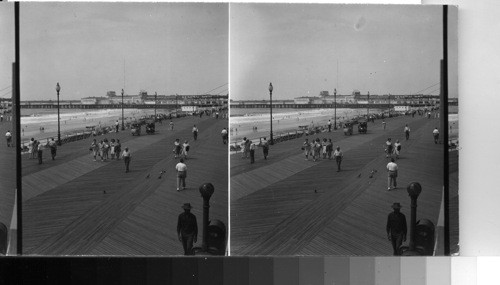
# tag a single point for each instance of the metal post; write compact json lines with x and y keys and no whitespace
{"x":444,"y":119}
{"x":368,"y":108}
{"x":58,"y":88}
{"x":123,"y":124}
{"x":271,"y":108}
{"x":155,"y":106}
{"x":16,"y":108}
{"x":206,"y":191}
{"x":335,"y":106}
{"x":414,"y":189}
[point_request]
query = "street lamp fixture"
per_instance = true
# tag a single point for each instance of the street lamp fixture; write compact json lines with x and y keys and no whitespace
{"x":271,"y":141}
{"x":123,"y":123}
{"x":58,"y":88}
{"x":335,"y":108}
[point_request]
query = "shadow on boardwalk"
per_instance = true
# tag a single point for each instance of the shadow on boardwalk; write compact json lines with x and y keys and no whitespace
{"x":76,"y":206}
{"x":288,"y":206}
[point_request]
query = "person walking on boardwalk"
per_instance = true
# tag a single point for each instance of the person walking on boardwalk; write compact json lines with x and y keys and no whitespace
{"x":94,"y":148}
{"x":392,"y":174}
{"x":338,"y":155}
{"x":265,"y":147}
{"x":112,"y":149}
{"x":39,"y":148}
{"x":181,"y":169}
{"x":407,"y":132}
{"x":388,"y":148}
{"x":329,"y":126}
{"x":396,"y":228}
{"x":329,"y":148}
{"x":177,"y":148}
{"x":316,"y":149}
{"x":118,"y":149}
{"x":105,"y":152}
{"x":324,"y":144}
{"x":126,"y":157}
{"x":252,"y":152}
{"x":8,"y":137}
{"x":187,"y":229}
{"x":244,"y":148}
{"x":35,"y":148}
{"x":195,"y":132}
{"x":224,"y":135}
{"x":31,"y":148}
{"x":383,"y":123}
{"x":171,"y":125}
{"x":435,"y":133}
{"x":185,"y":149}
{"x":397,"y":148}
{"x":53,"y":148}
{"x":117,"y":124}
{"x":306,"y":147}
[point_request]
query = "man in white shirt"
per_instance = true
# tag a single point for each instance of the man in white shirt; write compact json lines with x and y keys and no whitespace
{"x":8,"y":136}
{"x":338,"y":155}
{"x":435,"y":133}
{"x":181,"y":174}
{"x":252,"y":152}
{"x":407,"y":132}
{"x":392,"y":171}
{"x":224,"y":135}
{"x":195,"y":132}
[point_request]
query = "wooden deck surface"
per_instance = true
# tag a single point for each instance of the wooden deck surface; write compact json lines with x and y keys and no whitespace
{"x":288,"y":206}
{"x":7,"y":176}
{"x":67,"y":212}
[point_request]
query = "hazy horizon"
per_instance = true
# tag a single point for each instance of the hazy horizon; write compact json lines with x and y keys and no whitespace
{"x":92,"y":48}
{"x":383,"y":49}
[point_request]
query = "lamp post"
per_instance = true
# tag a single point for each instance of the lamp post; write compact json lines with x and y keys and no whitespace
{"x":58,"y":88}
{"x":155,"y":104}
{"x":123,"y":124}
{"x":271,"y":141}
{"x":414,"y":189}
{"x":206,"y":191}
{"x":368,"y":108}
{"x":335,"y":106}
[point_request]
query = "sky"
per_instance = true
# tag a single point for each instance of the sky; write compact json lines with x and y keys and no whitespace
{"x":92,"y":48}
{"x":307,"y":48}
{"x":7,"y":48}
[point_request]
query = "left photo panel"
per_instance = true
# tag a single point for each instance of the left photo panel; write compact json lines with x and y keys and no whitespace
{"x":8,"y":221}
{"x":122,"y":106}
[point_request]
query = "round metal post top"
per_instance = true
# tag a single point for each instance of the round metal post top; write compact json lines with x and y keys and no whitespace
{"x":122,"y":91}
{"x":58,"y":87}
{"x":414,"y":189}
{"x":206,"y":190}
{"x":270,"y":87}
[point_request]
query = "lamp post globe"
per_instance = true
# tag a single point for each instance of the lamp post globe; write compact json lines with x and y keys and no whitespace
{"x":123,"y":124}
{"x":414,"y":189}
{"x":271,"y":141}
{"x":58,"y":88}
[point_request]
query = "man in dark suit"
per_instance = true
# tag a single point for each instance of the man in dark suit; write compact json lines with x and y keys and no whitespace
{"x":187,"y":229}
{"x":396,"y":228}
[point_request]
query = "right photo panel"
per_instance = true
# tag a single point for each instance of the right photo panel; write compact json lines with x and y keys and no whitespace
{"x":343,"y":130}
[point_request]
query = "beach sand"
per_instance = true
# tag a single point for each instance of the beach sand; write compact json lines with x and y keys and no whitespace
{"x":76,"y":121}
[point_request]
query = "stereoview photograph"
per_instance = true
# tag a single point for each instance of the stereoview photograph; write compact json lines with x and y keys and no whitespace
{"x":341,"y":124}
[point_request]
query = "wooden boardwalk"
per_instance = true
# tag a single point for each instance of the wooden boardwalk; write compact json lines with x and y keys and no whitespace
{"x":75,"y":206}
{"x":289,"y":206}
{"x":7,"y":176}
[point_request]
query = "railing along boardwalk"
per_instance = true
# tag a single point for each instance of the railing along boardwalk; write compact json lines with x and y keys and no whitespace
{"x":72,"y":215}
{"x":317,"y":211}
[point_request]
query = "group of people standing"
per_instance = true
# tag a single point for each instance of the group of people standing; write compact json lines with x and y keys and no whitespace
{"x":322,"y":150}
{"x":35,"y":149}
{"x":106,"y":149}
{"x":248,"y":147}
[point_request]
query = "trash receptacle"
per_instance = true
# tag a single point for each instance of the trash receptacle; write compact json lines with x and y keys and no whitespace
{"x":216,"y":239}
{"x":425,"y":237}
